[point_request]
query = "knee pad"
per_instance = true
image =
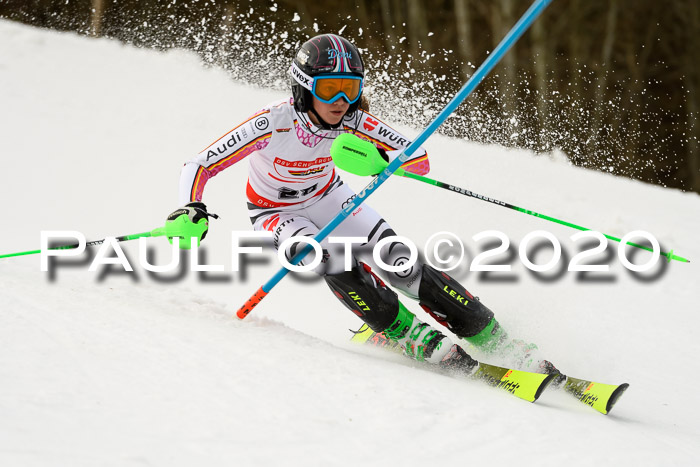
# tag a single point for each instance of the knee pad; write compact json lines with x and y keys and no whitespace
{"x":451,"y":304}
{"x":366,"y":295}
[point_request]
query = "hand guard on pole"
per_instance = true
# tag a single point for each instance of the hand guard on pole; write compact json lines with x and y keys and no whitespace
{"x":361,"y":157}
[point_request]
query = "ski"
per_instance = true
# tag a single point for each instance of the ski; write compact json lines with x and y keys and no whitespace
{"x":601,"y":397}
{"x":523,"y":384}
{"x":526,"y":385}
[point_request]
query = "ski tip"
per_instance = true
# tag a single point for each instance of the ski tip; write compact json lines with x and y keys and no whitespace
{"x":545,"y":384}
{"x":617,"y":393}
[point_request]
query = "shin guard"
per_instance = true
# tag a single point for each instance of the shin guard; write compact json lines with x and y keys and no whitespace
{"x":366,"y":295}
{"x":451,"y":305}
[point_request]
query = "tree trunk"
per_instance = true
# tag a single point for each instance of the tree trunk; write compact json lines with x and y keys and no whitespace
{"x":637,"y":60}
{"x":362,"y":16}
{"x":602,"y":77}
{"x":387,"y":23}
{"x":225,"y":43}
{"x":397,"y":9}
{"x":418,"y":29}
{"x":573,"y":88}
{"x":691,"y":77}
{"x":540,"y":65}
{"x":464,"y":36}
{"x":502,"y":18}
{"x":97,"y":10}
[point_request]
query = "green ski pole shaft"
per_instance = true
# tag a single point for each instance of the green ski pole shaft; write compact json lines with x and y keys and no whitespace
{"x":669,"y":255}
{"x":153,"y":233}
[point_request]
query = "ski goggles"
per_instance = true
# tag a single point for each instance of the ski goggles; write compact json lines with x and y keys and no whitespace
{"x":329,"y":88}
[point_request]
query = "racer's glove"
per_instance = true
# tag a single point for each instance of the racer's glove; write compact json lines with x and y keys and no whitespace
{"x":191,"y":220}
{"x":385,"y":155}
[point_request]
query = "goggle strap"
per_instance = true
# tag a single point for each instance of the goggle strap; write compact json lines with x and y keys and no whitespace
{"x":301,"y":77}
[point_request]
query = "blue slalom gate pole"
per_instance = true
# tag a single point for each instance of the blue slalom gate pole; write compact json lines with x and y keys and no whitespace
{"x":511,"y":38}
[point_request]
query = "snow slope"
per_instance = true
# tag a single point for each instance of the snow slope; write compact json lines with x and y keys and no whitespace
{"x":115,"y":368}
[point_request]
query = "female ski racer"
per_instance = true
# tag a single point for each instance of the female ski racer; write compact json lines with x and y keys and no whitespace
{"x":294,"y":190}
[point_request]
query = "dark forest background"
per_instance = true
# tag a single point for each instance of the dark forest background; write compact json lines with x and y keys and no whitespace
{"x":612,"y":83}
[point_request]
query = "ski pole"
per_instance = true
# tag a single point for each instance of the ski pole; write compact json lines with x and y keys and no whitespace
{"x":361,"y":157}
{"x":179,"y":227}
{"x":669,"y":255}
{"x":153,"y":233}
{"x":513,"y":35}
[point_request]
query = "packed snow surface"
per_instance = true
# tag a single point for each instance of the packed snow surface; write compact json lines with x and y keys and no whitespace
{"x":137,"y":368}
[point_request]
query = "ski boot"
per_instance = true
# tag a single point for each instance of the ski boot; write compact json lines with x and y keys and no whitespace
{"x":366,"y":295}
{"x":422,"y":342}
{"x":462,"y":313}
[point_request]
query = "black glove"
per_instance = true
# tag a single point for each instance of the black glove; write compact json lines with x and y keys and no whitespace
{"x":180,"y":222}
{"x":384,"y":155}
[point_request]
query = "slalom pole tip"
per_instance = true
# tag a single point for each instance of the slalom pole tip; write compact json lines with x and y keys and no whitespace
{"x":252,"y":302}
